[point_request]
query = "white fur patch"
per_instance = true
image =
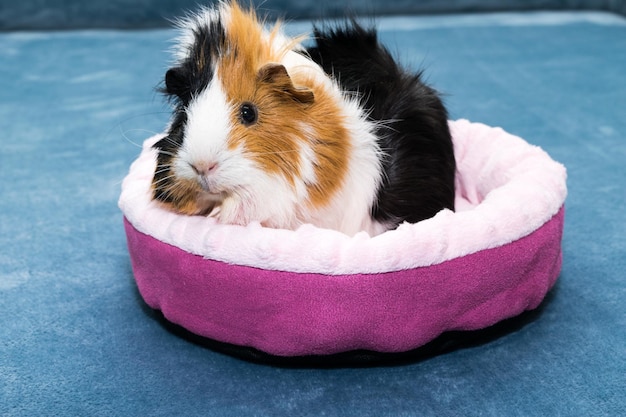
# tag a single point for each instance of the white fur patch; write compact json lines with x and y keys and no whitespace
{"x":207,"y":130}
{"x":187,"y":25}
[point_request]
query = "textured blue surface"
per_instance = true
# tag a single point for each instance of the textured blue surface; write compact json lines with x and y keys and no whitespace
{"x":75,"y":338}
{"x":64,"y":14}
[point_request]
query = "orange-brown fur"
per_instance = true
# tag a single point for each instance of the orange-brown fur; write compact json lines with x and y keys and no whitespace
{"x":274,"y":141}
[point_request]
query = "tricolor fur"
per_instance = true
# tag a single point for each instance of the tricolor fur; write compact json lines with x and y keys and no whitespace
{"x":260,"y":132}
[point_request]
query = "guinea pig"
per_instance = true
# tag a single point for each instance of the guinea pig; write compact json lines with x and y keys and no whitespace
{"x":266,"y":130}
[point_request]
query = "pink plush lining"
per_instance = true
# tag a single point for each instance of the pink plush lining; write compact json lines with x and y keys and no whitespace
{"x":506,"y":189}
{"x":318,"y":292}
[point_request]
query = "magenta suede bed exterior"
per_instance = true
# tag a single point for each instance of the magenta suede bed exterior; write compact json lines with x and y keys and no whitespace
{"x":293,"y":314}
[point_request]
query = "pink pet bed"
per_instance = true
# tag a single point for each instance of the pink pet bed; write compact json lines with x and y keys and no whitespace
{"x":314,"y":291}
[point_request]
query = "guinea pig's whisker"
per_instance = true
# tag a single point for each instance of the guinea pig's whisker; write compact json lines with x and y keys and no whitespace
{"x":169,"y":141}
{"x":120,"y":124}
{"x":160,"y":171}
{"x":388,"y":124}
{"x":162,"y":152}
{"x":129,"y":140}
{"x":137,"y":130}
{"x":164,"y":179}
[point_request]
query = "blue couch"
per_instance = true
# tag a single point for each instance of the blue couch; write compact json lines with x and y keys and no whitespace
{"x":76,"y":338}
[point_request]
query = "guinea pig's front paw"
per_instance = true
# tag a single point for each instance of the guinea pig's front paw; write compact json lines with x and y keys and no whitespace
{"x":206,"y":204}
{"x":230,"y":211}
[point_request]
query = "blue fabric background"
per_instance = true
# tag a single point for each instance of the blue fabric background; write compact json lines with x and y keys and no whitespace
{"x":76,"y":339}
{"x":64,"y":14}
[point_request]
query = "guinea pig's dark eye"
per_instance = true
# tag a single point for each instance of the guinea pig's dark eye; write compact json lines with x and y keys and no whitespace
{"x":248,"y":114}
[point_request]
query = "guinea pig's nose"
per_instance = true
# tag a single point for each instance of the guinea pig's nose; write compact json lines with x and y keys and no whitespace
{"x":204,"y":168}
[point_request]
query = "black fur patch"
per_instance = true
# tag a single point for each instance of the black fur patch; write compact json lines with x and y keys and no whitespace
{"x":419,"y":165}
{"x":195,"y":72}
{"x":167,"y":148}
{"x":182,"y":83}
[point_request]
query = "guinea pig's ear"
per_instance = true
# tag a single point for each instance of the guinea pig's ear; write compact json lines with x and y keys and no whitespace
{"x":176,"y":83}
{"x":276,"y":74}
